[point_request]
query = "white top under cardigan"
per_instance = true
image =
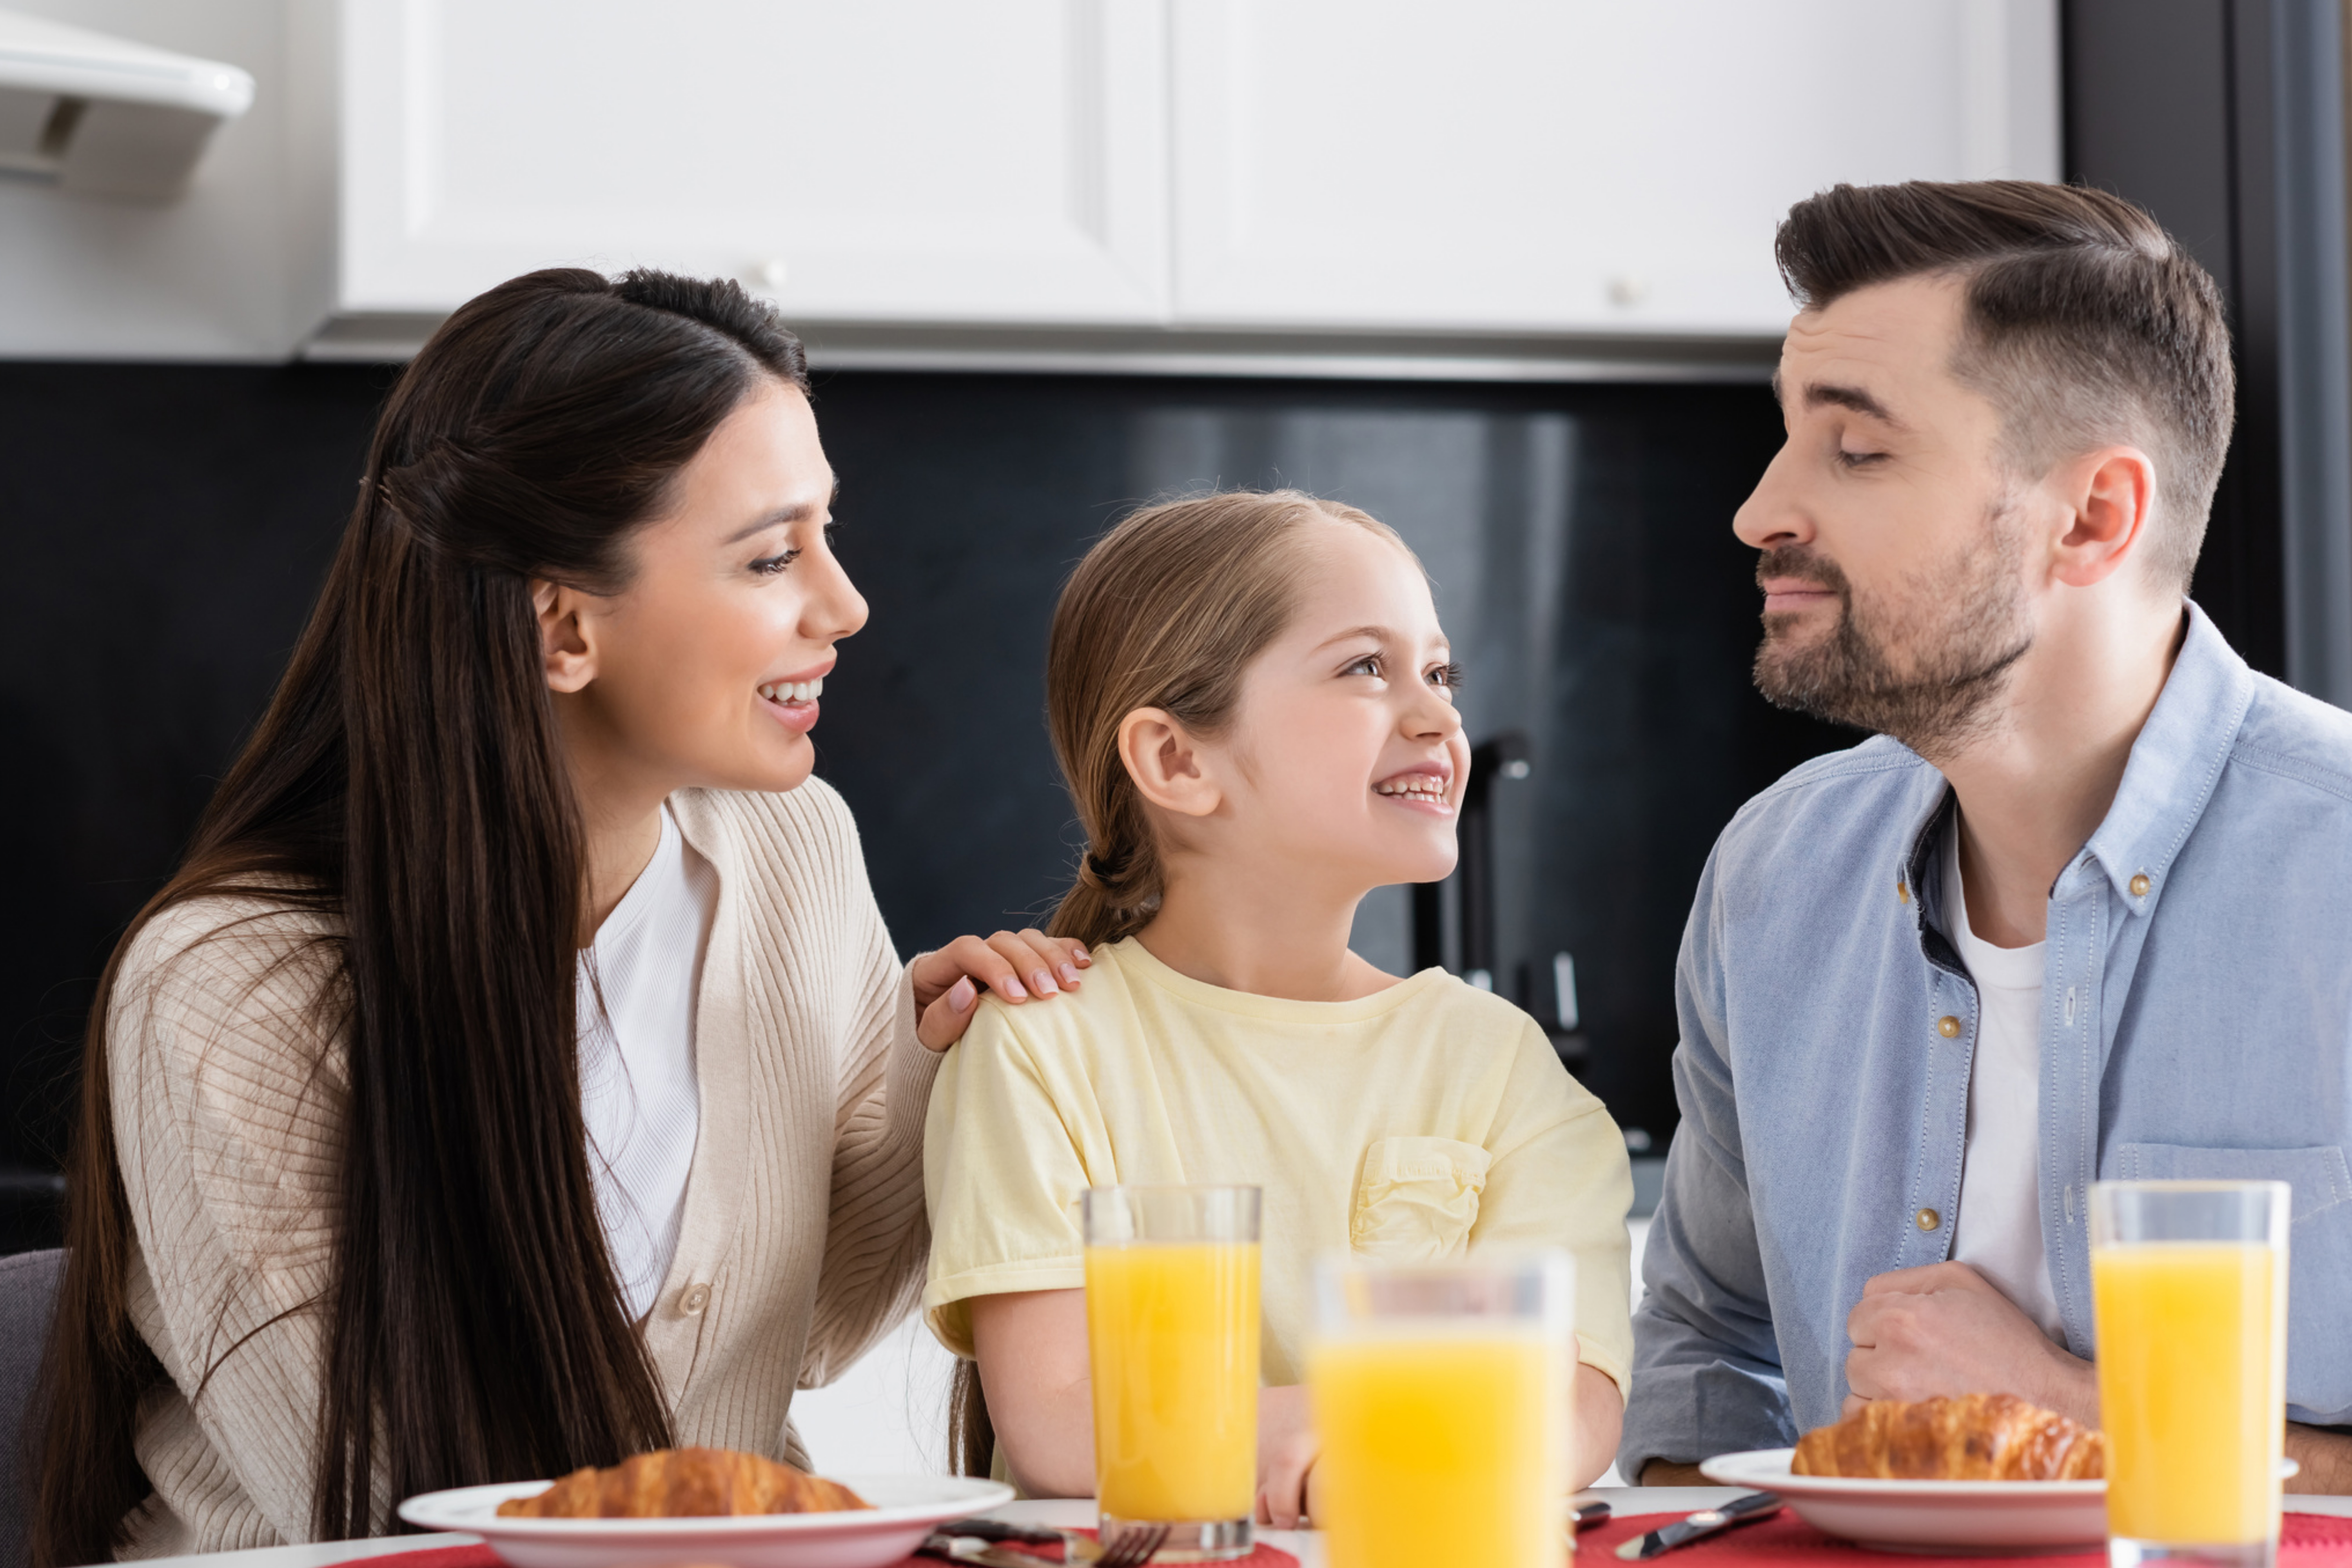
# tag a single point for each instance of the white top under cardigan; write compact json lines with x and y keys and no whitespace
{"x":639,"y":983}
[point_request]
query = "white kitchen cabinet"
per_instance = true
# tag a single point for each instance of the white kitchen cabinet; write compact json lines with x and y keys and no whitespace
{"x":890,"y":160}
{"x":1154,"y":184}
{"x":1565,"y":165}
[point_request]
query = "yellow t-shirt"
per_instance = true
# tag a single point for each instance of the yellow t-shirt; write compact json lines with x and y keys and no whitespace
{"x":1413,"y":1124}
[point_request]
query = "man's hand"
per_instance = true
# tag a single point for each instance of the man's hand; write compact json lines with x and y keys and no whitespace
{"x":1944,"y":1330}
{"x":2325,"y":1457}
{"x":1665,"y":1473}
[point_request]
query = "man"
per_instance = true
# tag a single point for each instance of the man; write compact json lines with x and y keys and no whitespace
{"x":2083,"y":909}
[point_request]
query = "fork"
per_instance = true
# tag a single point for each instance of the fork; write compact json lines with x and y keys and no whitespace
{"x":1135,"y":1546}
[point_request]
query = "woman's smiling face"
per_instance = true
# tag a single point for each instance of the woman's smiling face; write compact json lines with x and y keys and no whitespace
{"x":705,"y":670}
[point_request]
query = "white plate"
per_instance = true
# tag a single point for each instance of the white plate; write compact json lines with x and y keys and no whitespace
{"x":1963,"y":1519}
{"x":906,"y":1508}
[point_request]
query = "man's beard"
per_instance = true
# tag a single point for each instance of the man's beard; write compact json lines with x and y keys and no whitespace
{"x":1928,"y":671}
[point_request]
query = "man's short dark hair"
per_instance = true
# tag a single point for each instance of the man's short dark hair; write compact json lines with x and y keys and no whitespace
{"x":2084,"y":324}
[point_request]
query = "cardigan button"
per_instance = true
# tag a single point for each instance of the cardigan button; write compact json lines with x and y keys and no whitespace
{"x":1949,"y":1026}
{"x":1928,"y":1219}
{"x":695,"y":1299}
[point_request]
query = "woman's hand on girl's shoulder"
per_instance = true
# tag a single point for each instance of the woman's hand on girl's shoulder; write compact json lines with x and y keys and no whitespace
{"x":1016,"y":965}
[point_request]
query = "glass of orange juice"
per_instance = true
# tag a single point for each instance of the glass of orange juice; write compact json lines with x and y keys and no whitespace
{"x":1172,"y":1337}
{"x":2189,"y":1282}
{"x":1440,"y":1399}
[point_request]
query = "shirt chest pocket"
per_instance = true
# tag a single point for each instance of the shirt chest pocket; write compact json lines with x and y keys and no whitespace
{"x":1417,"y":1200}
{"x":2318,"y":1251}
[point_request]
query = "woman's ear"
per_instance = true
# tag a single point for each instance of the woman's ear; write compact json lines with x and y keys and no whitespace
{"x":1167,"y":763}
{"x":570,"y":662}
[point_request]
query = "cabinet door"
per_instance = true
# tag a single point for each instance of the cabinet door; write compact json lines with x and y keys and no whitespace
{"x":1572,"y":165}
{"x":893,"y":160}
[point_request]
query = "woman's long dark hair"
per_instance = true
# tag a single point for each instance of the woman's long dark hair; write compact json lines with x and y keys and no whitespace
{"x":407,"y":783}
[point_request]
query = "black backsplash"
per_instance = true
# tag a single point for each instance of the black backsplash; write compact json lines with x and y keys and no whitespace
{"x":165,"y":526}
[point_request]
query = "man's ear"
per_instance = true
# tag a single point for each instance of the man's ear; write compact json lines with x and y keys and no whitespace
{"x":563,"y":643}
{"x":1167,"y":763}
{"x":2112,"y":495}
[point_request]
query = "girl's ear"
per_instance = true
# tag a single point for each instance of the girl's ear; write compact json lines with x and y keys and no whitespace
{"x":563,"y":640}
{"x":1167,"y":763}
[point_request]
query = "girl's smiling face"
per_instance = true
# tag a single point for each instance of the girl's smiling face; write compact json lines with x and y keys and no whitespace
{"x":1346,"y":758}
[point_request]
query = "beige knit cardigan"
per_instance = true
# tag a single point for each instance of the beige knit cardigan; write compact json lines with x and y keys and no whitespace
{"x":803,"y":1235}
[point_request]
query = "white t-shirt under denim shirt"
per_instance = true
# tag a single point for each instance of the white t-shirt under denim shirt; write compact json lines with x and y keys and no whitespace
{"x":1998,"y":1230}
{"x":639,"y":1090}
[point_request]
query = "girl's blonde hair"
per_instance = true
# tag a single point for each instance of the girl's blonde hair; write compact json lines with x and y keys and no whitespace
{"x":1165,"y":612}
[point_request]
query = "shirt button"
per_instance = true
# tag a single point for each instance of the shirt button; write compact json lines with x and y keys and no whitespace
{"x":1902,"y":894}
{"x":1928,"y":1219}
{"x":2139,"y":886}
{"x":1950,"y":1028}
{"x":695,"y":1299}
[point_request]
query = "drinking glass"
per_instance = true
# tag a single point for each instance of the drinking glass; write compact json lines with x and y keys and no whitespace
{"x":1440,"y":1394}
{"x":2188,"y":1282}
{"x":1172,"y":1336}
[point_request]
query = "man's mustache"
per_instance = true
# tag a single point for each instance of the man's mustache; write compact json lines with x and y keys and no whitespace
{"x":1796,"y":560}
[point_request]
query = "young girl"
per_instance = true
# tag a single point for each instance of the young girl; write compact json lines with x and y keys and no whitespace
{"x":1253,"y":703}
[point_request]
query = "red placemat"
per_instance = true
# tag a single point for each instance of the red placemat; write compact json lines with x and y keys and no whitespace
{"x":1263,"y":1556}
{"x":2305,"y":1541}
{"x":438,"y":1557}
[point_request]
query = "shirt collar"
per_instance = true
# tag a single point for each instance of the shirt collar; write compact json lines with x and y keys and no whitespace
{"x":1923,"y":874}
{"x":2175,"y":764}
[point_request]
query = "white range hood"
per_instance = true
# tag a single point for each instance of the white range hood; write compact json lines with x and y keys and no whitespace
{"x":104,"y":115}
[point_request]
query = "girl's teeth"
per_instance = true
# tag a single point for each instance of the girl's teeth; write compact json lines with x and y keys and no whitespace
{"x":794,"y":690}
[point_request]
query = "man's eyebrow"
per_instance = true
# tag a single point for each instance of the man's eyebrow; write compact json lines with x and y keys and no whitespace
{"x":1819,"y":393}
{"x":800,"y":513}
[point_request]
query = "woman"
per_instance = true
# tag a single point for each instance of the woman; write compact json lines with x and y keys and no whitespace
{"x":383,"y":1184}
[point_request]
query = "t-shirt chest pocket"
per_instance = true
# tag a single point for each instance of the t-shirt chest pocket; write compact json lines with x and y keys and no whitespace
{"x":1417,"y":1200}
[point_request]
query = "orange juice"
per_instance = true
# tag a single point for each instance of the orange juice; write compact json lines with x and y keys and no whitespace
{"x":1440,"y":1445}
{"x":1172,"y":1332}
{"x":2192,"y":1388}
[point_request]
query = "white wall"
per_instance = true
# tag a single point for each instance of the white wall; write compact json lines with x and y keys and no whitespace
{"x":236,"y":268}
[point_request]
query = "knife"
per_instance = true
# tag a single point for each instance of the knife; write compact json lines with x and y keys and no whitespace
{"x":995,"y":1532}
{"x":971,"y":1549}
{"x":1706,"y":1522}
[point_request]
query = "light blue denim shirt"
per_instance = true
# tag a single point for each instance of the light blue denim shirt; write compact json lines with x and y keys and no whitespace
{"x":2197,"y":1021}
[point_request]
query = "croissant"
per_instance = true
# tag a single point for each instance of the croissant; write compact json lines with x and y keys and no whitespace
{"x":1975,"y":1437}
{"x":684,"y":1483}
